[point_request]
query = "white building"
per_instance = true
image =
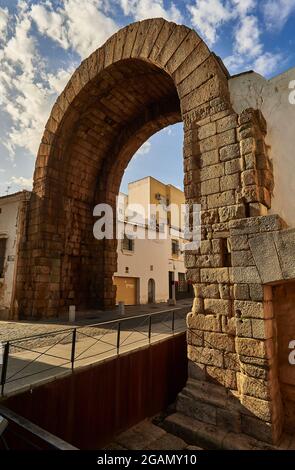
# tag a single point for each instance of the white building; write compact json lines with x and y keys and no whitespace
{"x":147,"y":268}
{"x":12,"y":212}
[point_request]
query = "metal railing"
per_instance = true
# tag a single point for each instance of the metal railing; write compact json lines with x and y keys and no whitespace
{"x":71,"y":347}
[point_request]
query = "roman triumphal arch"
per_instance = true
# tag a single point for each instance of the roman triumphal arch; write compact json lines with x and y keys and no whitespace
{"x":149,"y":75}
{"x":145,"y":77}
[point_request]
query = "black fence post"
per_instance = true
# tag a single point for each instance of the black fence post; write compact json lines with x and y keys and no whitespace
{"x":74,"y":337}
{"x":173,"y":321}
{"x":4,"y":367}
{"x":118,"y":337}
{"x":150,"y":328}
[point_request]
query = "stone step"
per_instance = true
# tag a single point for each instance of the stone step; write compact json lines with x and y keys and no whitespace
{"x":189,"y":406}
{"x":194,"y":432}
{"x":147,"y":436}
{"x":208,"y":436}
{"x":206,"y":392}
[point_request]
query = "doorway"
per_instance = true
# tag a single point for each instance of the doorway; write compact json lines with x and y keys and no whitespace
{"x":151,"y":291}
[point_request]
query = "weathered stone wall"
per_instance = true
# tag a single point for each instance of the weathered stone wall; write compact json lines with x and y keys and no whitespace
{"x":12,"y":226}
{"x":240,"y":341}
{"x":231,"y":330}
{"x":273,"y":98}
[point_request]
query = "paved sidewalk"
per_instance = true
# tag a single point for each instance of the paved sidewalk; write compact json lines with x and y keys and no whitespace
{"x":33,"y":361}
{"x":10,"y":330}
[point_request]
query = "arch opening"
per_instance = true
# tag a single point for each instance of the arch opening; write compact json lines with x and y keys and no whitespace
{"x":151,"y":291}
{"x":91,"y":152}
{"x":147,"y":76}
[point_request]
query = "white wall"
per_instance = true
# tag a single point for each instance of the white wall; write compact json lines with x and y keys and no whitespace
{"x":147,"y":253}
{"x":8,"y":227}
{"x":251,"y":90}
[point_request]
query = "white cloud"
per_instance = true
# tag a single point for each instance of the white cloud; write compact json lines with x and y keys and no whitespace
{"x":23,"y":183}
{"x":143,"y":9}
{"x":267,"y":63}
{"x":243,"y":7}
{"x":3,"y":23}
{"x":50,"y":23}
{"x":21,"y":49}
{"x":87,"y":26}
{"x":59,"y":79}
{"x":28,"y":88}
{"x":208,"y":15}
{"x":144,"y":149}
{"x":78,"y":24}
{"x":30,"y":107}
{"x":277,"y":12}
{"x":247,"y":37}
{"x":27,"y":93}
{"x":235,"y":63}
{"x":248,"y":50}
{"x":22,"y":91}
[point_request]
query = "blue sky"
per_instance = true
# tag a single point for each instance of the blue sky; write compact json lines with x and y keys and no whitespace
{"x":42,"y":42}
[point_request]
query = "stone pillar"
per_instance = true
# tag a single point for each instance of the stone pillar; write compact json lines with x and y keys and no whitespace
{"x":256,"y":339}
{"x":233,"y":378}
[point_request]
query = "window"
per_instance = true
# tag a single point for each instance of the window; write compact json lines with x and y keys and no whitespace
{"x":175,"y":247}
{"x":127,"y":244}
{"x":2,"y":255}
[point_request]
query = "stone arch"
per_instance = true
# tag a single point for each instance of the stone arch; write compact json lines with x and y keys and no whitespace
{"x":146,"y":76}
{"x":149,"y":75}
